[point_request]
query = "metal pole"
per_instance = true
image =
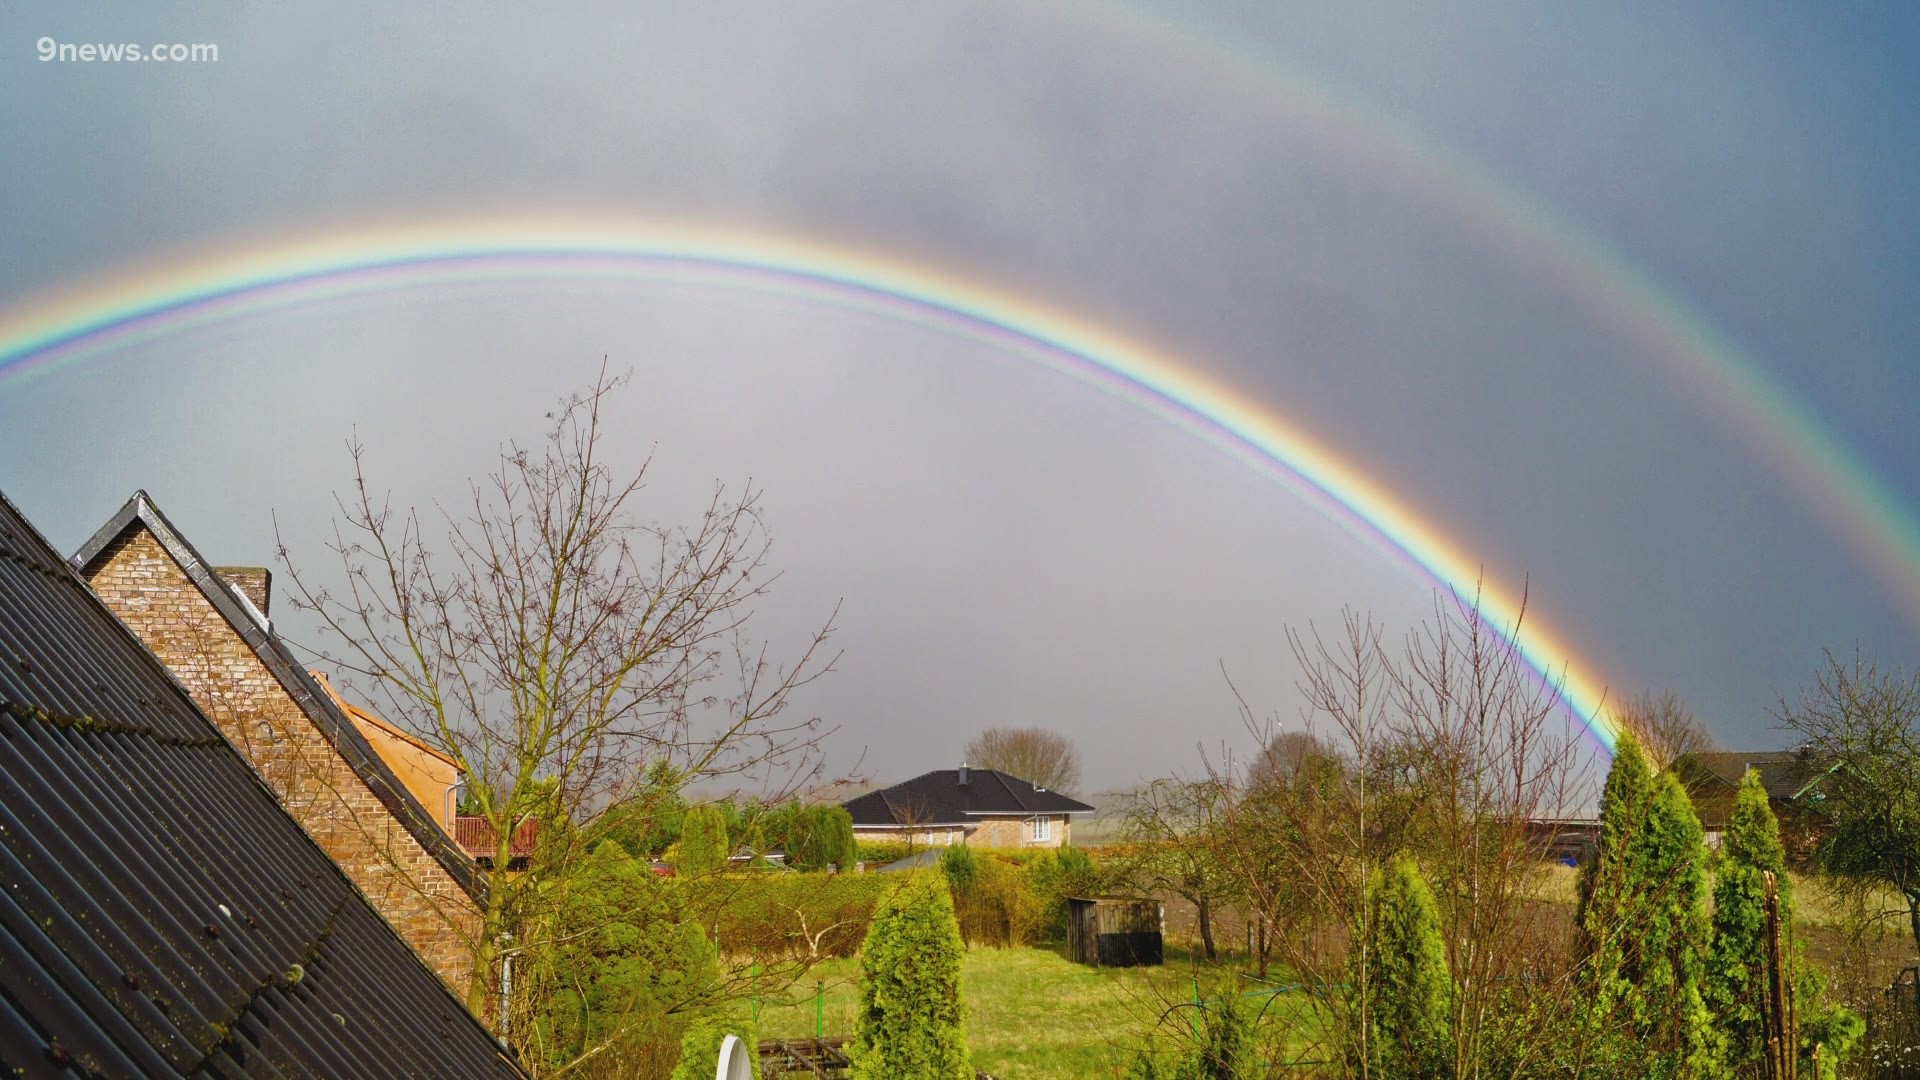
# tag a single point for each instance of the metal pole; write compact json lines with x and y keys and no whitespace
{"x":819,"y":1009}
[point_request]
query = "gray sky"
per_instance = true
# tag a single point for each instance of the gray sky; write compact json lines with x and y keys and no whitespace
{"x":1233,"y":185}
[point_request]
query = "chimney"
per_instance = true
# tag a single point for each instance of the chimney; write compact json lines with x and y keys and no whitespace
{"x":253,"y":582}
{"x":963,"y":774}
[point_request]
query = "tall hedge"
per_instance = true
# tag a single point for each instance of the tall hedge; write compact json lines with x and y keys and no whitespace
{"x":910,"y":1020}
{"x":703,"y":840}
{"x":1409,"y":1026}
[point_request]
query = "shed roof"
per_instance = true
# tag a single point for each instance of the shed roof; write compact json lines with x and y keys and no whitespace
{"x":939,"y":798}
{"x":163,"y":914}
{"x":318,"y":703}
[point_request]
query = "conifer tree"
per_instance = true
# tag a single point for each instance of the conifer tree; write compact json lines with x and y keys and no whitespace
{"x":703,"y":840}
{"x":1736,"y":969}
{"x":1643,"y":927}
{"x":910,"y":1022}
{"x":1669,"y":865}
{"x":1410,"y":1025}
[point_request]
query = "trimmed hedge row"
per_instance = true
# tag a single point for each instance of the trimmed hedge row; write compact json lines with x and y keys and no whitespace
{"x":782,"y":915}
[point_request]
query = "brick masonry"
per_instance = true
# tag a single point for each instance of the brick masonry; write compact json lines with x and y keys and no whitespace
{"x":986,"y":832}
{"x":148,"y":590}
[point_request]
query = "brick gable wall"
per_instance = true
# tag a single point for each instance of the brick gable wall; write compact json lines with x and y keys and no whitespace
{"x":147,"y":589}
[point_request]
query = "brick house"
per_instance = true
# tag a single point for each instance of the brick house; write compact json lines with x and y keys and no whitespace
{"x":162,"y":913}
{"x":209,"y":626}
{"x":976,"y":807}
{"x":1712,"y":779}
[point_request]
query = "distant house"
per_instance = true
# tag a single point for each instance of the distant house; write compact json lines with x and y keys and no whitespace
{"x":209,"y":625}
{"x":163,"y":914}
{"x":977,"y":807}
{"x":1712,"y":779}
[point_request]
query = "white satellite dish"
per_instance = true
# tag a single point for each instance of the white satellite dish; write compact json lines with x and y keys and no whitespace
{"x":735,"y":1060}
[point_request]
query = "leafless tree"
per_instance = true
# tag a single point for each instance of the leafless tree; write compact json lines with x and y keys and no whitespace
{"x":1042,"y":758}
{"x":556,"y":647}
{"x":1166,"y":829}
{"x":1666,"y":728}
{"x":1448,"y":748}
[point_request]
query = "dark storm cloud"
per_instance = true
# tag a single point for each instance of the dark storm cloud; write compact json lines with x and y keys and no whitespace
{"x":1140,"y":172}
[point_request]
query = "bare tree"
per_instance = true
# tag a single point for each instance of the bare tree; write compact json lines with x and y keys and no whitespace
{"x":1862,"y":732}
{"x":1666,"y":728}
{"x":558,"y":649}
{"x":1166,"y":828}
{"x":1040,"y":757}
{"x":1446,"y":748}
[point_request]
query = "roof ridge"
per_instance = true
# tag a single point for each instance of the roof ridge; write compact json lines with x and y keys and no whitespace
{"x":335,"y":725}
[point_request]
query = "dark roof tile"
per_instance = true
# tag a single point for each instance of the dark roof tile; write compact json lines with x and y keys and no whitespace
{"x":162,"y":912}
{"x":938,"y":798}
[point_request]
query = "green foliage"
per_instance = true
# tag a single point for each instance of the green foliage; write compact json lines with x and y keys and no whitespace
{"x":791,"y":916}
{"x":1644,"y":929}
{"x":627,"y":958}
{"x":910,"y":1020}
{"x":1000,"y":907}
{"x":1057,"y":876}
{"x":1409,"y":1030}
{"x":880,"y":852}
{"x":1736,"y":982}
{"x":818,"y":837}
{"x":647,"y":821}
{"x":703,"y":840}
{"x":700,"y":1046}
{"x":1223,"y":1050}
{"x":960,"y":866}
{"x":1623,"y":808}
{"x":1736,"y":968}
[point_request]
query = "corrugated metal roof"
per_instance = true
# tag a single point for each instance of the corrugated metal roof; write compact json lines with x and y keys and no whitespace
{"x":160,"y":912}
{"x":318,"y":704}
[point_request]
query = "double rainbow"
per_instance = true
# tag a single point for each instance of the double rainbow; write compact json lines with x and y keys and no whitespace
{"x":128,"y":311}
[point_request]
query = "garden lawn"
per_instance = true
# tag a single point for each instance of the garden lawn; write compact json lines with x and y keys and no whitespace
{"x":1031,"y":1014}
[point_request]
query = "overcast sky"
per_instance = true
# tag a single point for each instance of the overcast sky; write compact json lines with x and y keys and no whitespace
{"x":1372,"y":220}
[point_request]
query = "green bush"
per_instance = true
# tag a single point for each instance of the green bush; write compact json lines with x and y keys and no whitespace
{"x":1002,"y":908}
{"x":1409,"y":1031}
{"x":819,"y":837}
{"x":629,"y":957}
{"x":789,"y":916}
{"x":703,"y":840}
{"x":880,"y":852}
{"x":1055,"y":877}
{"x":960,"y":865}
{"x":700,"y":1046}
{"x":909,"y":1024}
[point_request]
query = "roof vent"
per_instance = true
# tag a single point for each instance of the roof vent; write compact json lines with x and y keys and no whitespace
{"x":963,"y":774}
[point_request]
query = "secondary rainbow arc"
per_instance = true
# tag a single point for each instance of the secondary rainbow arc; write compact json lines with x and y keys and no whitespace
{"x":123,"y":311}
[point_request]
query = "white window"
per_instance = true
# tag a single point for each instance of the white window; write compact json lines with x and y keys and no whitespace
{"x":1042,"y":829}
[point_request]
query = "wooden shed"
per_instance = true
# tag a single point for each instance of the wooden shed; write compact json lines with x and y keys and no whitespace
{"x":1115,"y":931}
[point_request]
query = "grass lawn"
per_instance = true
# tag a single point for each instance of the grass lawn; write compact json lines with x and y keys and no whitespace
{"x":1031,"y":1014}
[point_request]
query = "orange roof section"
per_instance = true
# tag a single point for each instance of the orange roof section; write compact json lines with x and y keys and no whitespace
{"x":363,"y":716}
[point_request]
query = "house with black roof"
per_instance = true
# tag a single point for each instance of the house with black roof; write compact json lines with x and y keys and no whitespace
{"x":1712,"y":779}
{"x":977,"y":807}
{"x":162,"y":913}
{"x":211,"y":627}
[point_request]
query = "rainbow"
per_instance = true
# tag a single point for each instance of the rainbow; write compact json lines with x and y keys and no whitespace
{"x":126,"y":311}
